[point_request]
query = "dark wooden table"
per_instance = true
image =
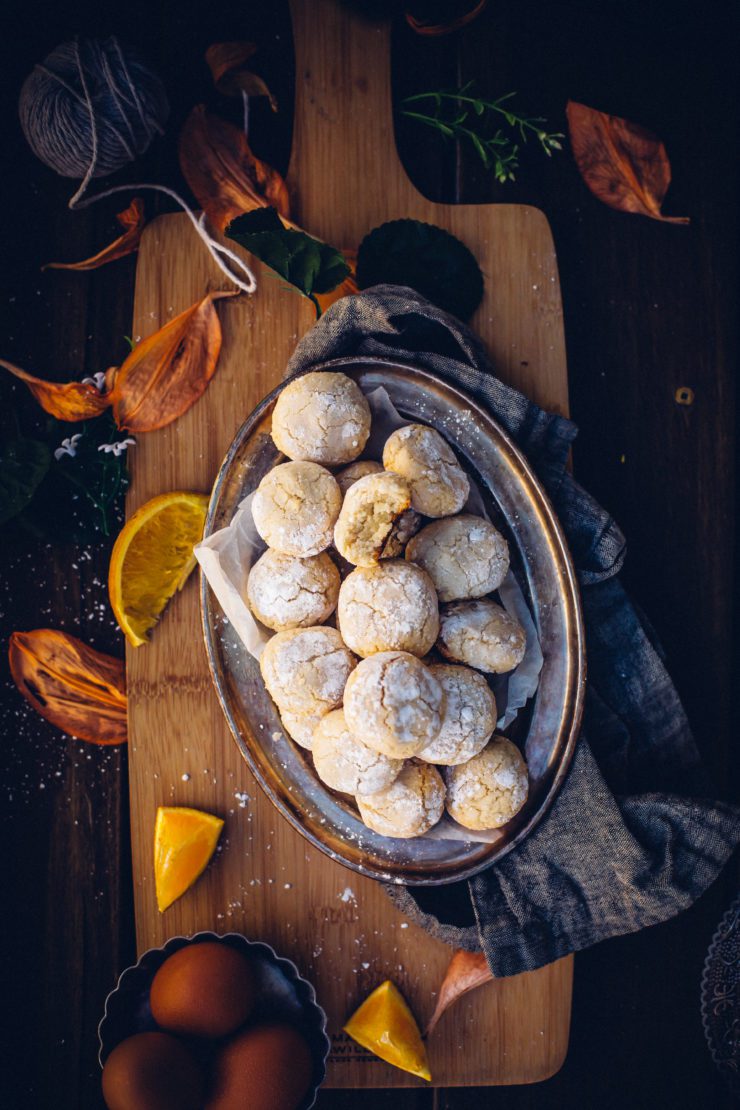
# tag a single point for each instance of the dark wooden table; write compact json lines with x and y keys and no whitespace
{"x":649,"y":309}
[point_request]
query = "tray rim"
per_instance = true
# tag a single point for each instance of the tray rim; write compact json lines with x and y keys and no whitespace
{"x":578,"y":655}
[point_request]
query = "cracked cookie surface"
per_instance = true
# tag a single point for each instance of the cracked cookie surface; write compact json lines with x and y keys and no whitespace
{"x":469,"y":716}
{"x":295,"y":508}
{"x":305,"y":670}
{"x":370,"y":509}
{"x":285,"y":592}
{"x":411,"y":806}
{"x":439,"y":485}
{"x":388,"y":607}
{"x":465,"y":556}
{"x":394,"y":704}
{"x":301,"y":726}
{"x":355,"y":471}
{"x":344,"y":763}
{"x":481,"y":634}
{"x":490,"y":789}
{"x":321,"y":417}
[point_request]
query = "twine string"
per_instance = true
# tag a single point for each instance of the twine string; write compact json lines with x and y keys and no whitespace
{"x":52,"y":125}
{"x":247,"y":282}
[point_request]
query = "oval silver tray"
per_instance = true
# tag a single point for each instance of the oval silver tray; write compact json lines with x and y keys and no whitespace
{"x":517,"y":503}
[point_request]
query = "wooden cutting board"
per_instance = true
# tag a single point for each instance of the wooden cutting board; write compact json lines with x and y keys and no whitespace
{"x":266,"y":881}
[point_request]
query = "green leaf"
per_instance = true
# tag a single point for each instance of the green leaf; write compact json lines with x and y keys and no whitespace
{"x":23,"y":466}
{"x":482,"y":152}
{"x":308,"y":264}
{"x":430,"y":260}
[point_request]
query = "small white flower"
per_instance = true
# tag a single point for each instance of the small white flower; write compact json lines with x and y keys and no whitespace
{"x":117,"y":448}
{"x":98,"y":380}
{"x":69,"y":447}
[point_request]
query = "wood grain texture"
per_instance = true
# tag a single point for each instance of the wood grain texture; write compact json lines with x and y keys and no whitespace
{"x":267,"y":882}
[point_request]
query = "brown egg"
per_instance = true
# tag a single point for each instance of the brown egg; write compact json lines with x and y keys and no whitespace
{"x":203,"y":990}
{"x":267,"y":1067}
{"x":152,"y":1071}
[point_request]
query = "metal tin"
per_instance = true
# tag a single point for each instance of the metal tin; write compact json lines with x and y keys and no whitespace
{"x":519,"y":506}
{"x":284,"y":996}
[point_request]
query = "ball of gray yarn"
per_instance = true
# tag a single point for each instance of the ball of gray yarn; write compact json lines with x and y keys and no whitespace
{"x":91,"y":107}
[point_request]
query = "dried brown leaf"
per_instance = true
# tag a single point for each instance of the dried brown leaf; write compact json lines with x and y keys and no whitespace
{"x":132,"y":221}
{"x":167,"y":372}
{"x":422,"y":27}
{"x":64,"y":400}
{"x":465,"y":972}
{"x":228,"y":64}
{"x":623,"y":164}
{"x":76,"y":688}
{"x":223,"y":174}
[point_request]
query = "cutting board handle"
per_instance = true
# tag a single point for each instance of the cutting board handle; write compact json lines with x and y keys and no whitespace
{"x":343,"y":137}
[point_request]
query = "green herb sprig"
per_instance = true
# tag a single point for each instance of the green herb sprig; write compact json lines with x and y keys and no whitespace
{"x":458,"y":114}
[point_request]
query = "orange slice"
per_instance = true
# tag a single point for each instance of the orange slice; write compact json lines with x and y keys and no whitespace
{"x":153,"y":558}
{"x":385,"y":1025}
{"x":184,"y":841}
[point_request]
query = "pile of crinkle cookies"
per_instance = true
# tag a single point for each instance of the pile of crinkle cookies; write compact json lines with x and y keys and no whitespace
{"x":407,"y":573}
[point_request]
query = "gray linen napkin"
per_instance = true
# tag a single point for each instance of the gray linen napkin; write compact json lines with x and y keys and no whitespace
{"x":630,"y":841}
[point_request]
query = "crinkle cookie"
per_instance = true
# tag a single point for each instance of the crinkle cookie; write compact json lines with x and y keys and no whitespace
{"x":295,"y":508}
{"x":305,"y":669}
{"x":439,"y":485}
{"x":465,"y":556}
{"x":286,"y":592}
{"x":469,"y":716}
{"x":355,"y":471}
{"x":370,"y":509}
{"x":394,"y":704}
{"x":389,"y":607}
{"x":481,"y":634}
{"x":321,"y":417}
{"x":344,"y":763}
{"x":411,"y":806}
{"x":301,"y":726}
{"x":490,"y":789}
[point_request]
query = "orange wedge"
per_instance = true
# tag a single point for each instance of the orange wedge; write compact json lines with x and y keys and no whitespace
{"x":184,"y":841}
{"x":153,"y":558}
{"x":385,"y":1025}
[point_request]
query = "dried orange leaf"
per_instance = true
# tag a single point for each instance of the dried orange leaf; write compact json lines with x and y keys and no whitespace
{"x":64,"y":400}
{"x":76,"y":688}
{"x":132,"y":221}
{"x":422,"y":27}
{"x":223,"y":174}
{"x":465,"y":972}
{"x":228,"y":64}
{"x":623,"y":165}
{"x":167,"y":372}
